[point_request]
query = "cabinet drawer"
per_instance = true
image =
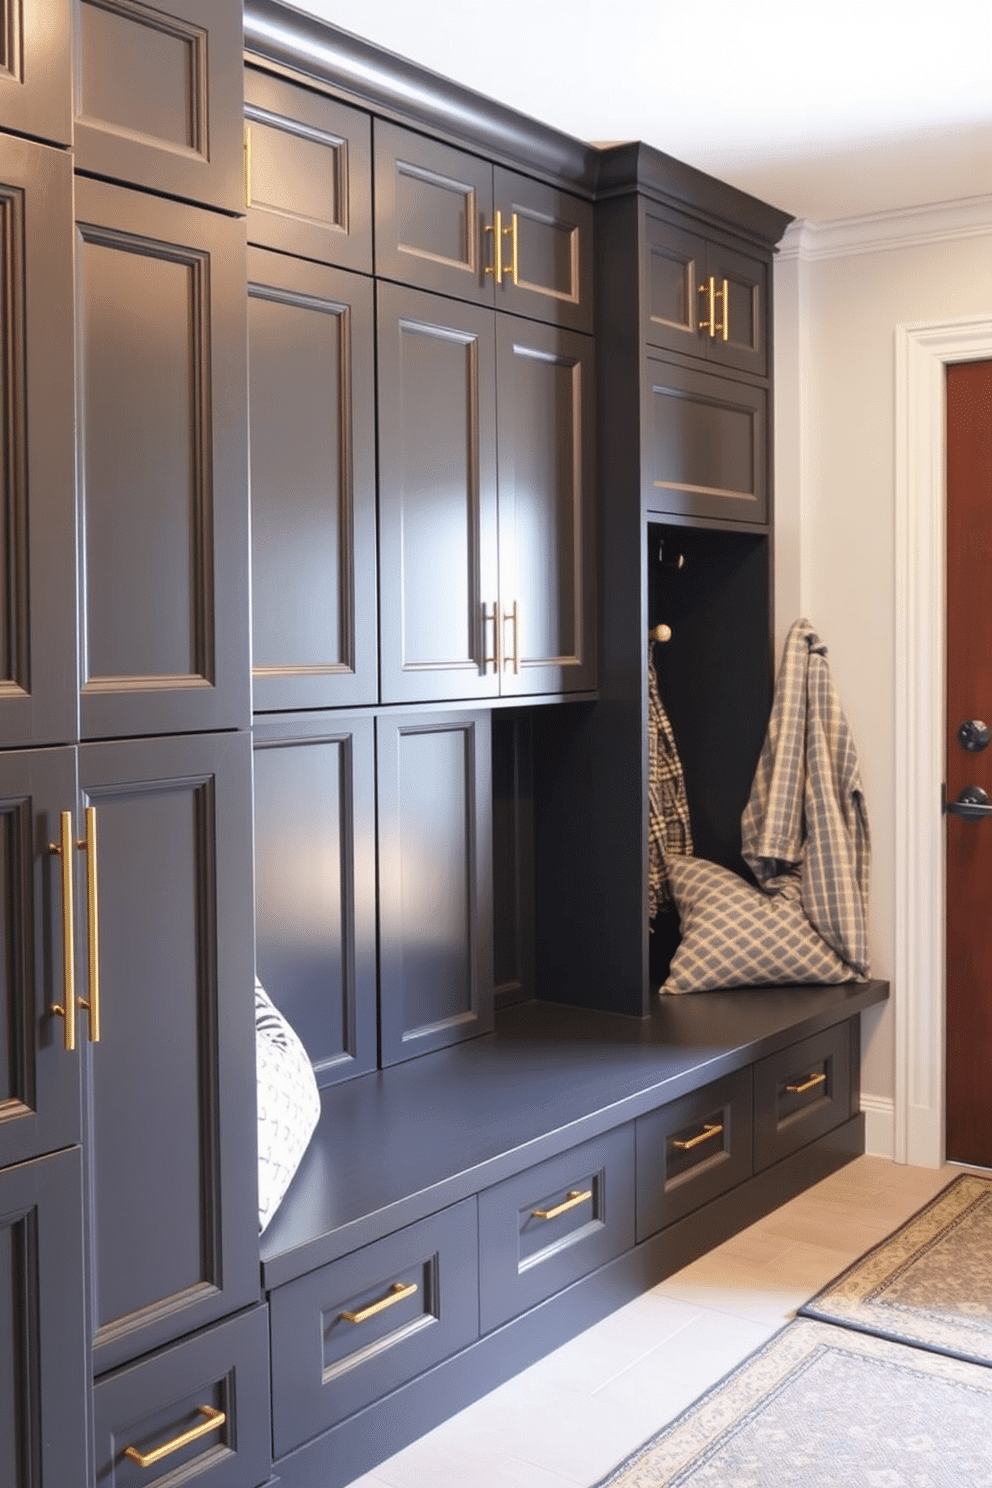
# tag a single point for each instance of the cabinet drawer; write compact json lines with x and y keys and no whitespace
{"x":352,"y":1331}
{"x":196,"y":1410}
{"x":801,"y":1093}
{"x":692,"y":1150}
{"x":542,"y":1229}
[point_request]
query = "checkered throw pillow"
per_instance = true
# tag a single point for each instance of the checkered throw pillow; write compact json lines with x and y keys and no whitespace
{"x":734,"y":935}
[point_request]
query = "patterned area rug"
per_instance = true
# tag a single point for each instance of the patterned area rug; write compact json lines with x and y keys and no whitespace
{"x":829,"y":1407}
{"x":929,"y":1283}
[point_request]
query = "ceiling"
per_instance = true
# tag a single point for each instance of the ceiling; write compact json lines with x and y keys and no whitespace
{"x":826,"y":108}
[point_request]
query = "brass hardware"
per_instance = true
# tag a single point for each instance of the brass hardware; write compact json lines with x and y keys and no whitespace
{"x":67,"y":1009}
{"x":709,"y":323}
{"x":807,"y":1084}
{"x":214,"y":1419}
{"x":686,"y":1144}
{"x":496,"y":660}
{"x":92,"y":1002}
{"x":514,"y":615}
{"x":569,"y":1202}
{"x":396,"y":1293}
{"x":724,"y":328}
{"x":511,"y":232}
{"x":247,"y":165}
{"x":660,"y":633}
{"x":496,"y":228}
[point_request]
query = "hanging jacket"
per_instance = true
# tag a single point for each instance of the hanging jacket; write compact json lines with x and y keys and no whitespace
{"x":669,"y":829}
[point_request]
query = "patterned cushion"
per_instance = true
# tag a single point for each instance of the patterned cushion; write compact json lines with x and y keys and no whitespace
{"x":734,"y":935}
{"x":288,"y":1103}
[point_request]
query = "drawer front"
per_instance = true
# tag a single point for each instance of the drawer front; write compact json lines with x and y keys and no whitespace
{"x":801,"y":1093}
{"x":692,"y":1150}
{"x":352,"y":1331}
{"x":198,"y":1409}
{"x":544,"y":1228}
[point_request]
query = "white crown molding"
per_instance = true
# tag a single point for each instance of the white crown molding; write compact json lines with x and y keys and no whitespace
{"x":878,"y":231}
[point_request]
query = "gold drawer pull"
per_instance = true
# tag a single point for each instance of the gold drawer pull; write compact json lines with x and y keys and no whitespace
{"x":214,"y":1419}
{"x":807,"y":1084}
{"x":396,"y":1293}
{"x":686,"y":1144}
{"x":571,"y":1201}
{"x":67,"y":1007}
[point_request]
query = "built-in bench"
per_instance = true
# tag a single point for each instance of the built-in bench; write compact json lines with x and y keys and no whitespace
{"x":460,"y":1215}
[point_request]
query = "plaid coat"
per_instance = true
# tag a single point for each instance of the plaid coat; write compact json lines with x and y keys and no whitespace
{"x":806,"y":815}
{"x":669,"y":829}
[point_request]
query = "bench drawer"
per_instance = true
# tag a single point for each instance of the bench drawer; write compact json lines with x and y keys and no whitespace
{"x":692,"y":1150}
{"x":801,"y":1093}
{"x":198,"y":1409}
{"x":350,"y":1332}
{"x":546,"y":1227}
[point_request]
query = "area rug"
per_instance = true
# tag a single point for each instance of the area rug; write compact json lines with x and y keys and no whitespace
{"x":830,"y":1407}
{"x":929,"y":1283}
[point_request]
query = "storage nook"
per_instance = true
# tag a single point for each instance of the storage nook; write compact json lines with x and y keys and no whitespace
{"x":391,"y":423}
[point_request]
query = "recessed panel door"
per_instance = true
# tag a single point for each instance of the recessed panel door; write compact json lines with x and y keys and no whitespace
{"x":545,"y":255}
{"x":170,"y":1130}
{"x":739,"y":335}
{"x":163,"y":479}
{"x":675,"y":297}
{"x":438,"y":572}
{"x":36,"y":69}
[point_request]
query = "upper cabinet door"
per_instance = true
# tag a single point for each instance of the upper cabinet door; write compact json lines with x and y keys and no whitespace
{"x":545,"y":252}
{"x":740,"y":330}
{"x":438,"y":578}
{"x":433,"y":215}
{"x":308,"y":163}
{"x":36,"y":69}
{"x":159,"y":96}
{"x":546,"y":508}
{"x":39,"y":1074}
{"x":38,"y":541}
{"x":312,"y":428}
{"x":162,"y":468}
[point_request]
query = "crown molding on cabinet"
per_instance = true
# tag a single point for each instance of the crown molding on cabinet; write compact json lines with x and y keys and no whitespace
{"x":905,"y":227}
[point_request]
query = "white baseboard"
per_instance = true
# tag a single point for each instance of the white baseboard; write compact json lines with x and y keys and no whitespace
{"x":880,"y":1125}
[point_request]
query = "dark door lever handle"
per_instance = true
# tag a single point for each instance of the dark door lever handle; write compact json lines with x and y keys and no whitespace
{"x":973,"y":804}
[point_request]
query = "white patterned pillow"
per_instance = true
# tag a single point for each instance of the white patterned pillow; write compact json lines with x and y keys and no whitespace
{"x":288,"y":1103}
{"x":734,"y":935}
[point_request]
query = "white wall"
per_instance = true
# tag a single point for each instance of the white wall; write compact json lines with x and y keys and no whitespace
{"x":841,"y":290}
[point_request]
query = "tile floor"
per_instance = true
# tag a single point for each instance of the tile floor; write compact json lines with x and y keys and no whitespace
{"x":568,"y":1419}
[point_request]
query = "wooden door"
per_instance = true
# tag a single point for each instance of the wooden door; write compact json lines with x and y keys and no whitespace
{"x":675,"y":273}
{"x":546,"y":508}
{"x":169,"y":1105}
{"x":968,"y":763}
{"x":39,"y":1074}
{"x":546,"y":253}
{"x":438,"y":568}
{"x":37,"y":470}
{"x":740,"y":331}
{"x":312,"y":431}
{"x":36,"y":69}
{"x":44,"y":1369}
{"x":163,"y":455}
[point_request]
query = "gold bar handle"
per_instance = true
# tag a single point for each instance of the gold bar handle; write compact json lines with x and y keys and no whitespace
{"x":513,"y":614}
{"x":571,"y":1201}
{"x":92,"y":1002}
{"x":724,"y":328}
{"x":807,"y":1084}
{"x":708,"y":324}
{"x":214,"y":1419}
{"x":511,"y":233}
{"x":686,"y":1144}
{"x":496,"y":228}
{"x":247,"y":165}
{"x":496,"y":660}
{"x":67,"y":1008}
{"x":396,"y":1293}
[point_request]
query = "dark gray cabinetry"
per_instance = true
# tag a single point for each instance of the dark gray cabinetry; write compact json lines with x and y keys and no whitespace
{"x":433,"y":783}
{"x":692,"y":1150}
{"x":43,"y":1366}
{"x":169,"y":1152}
{"x":36,"y":70}
{"x":312,"y":431}
{"x":315,"y":884}
{"x":158,"y":96}
{"x":37,"y":551}
{"x":447,"y":221}
{"x":309,"y":173}
{"x":160,"y":316}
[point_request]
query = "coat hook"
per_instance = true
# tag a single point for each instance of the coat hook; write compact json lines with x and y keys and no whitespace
{"x":660,"y":633}
{"x":676,"y":561}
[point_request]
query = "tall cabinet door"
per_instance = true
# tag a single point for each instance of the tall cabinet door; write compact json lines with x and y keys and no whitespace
{"x":37,"y":535}
{"x":170,"y":1085}
{"x":312,"y":425}
{"x":39,"y":1073}
{"x":162,"y":471}
{"x":546,"y":508}
{"x":438,"y":579}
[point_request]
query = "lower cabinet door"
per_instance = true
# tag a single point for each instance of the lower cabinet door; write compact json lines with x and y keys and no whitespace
{"x":198,"y":1410}
{"x":693,"y":1150}
{"x":542,"y":1229}
{"x":350,"y":1332}
{"x":801,"y":1093}
{"x":44,"y":1365}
